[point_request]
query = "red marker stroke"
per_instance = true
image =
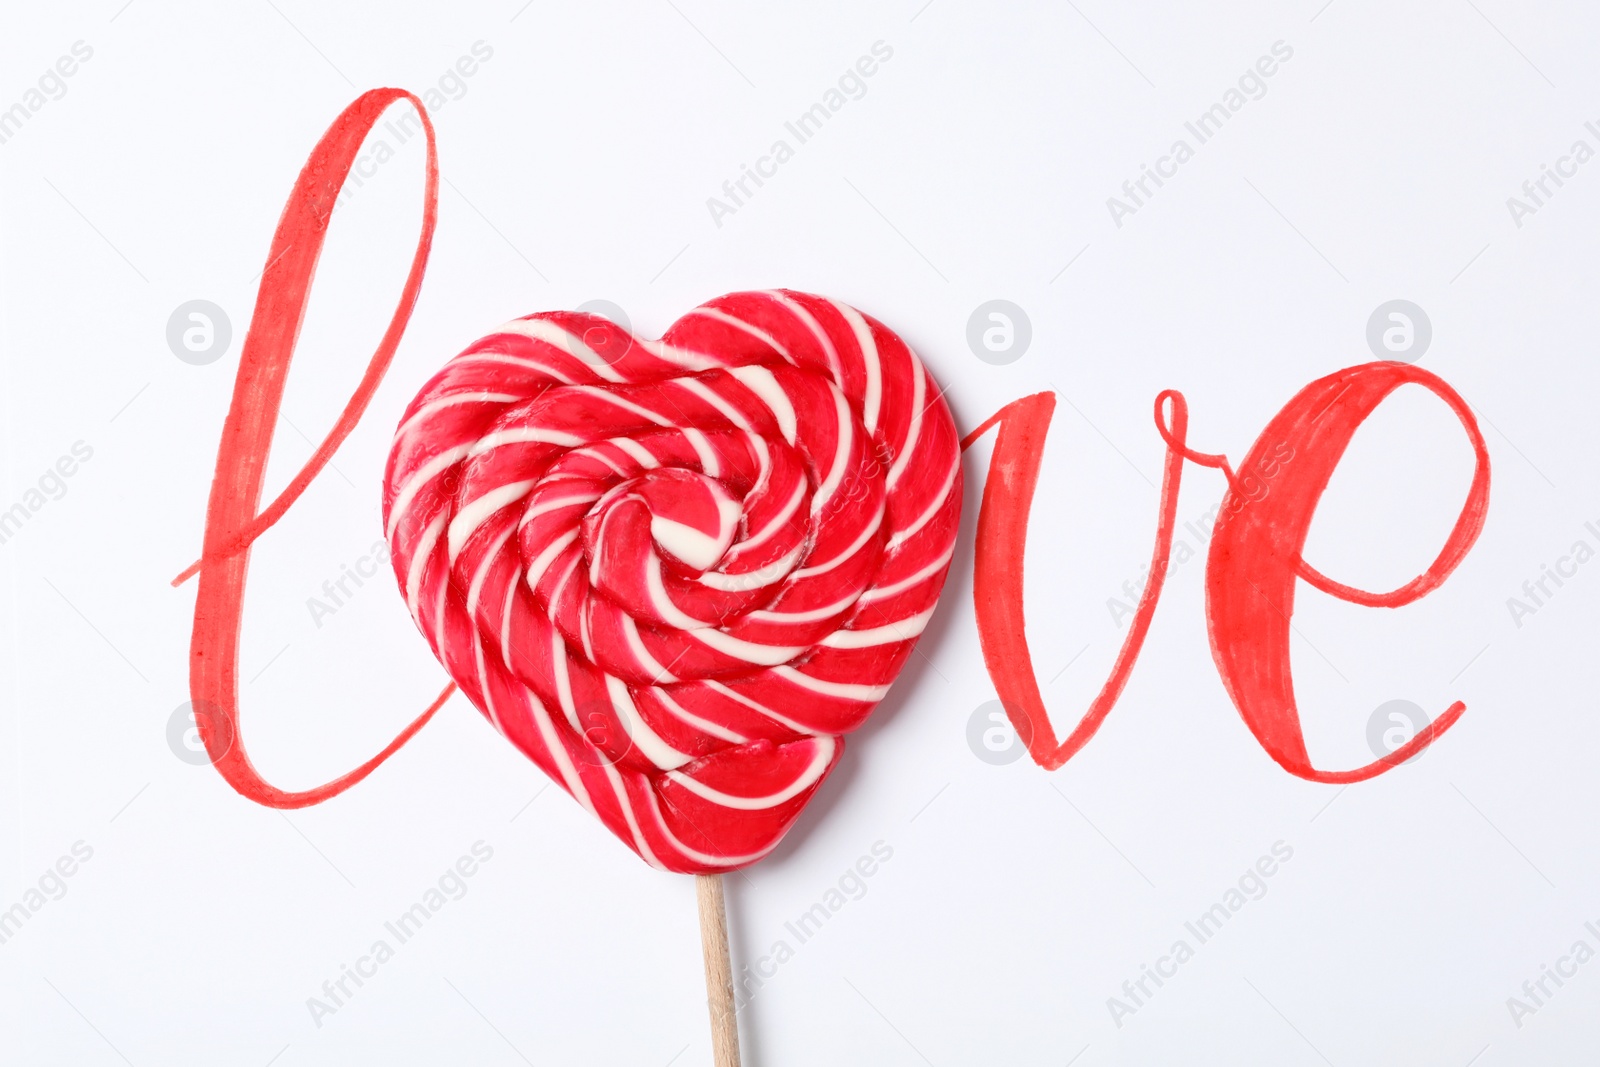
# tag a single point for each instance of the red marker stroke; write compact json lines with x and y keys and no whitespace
{"x":233,"y":522}
{"x":1254,"y":564}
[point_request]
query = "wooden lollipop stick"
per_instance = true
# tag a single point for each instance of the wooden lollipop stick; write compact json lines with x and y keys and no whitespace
{"x":719,"y":973}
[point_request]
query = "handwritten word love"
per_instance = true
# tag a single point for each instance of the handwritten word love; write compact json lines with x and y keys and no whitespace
{"x":1252,"y":571}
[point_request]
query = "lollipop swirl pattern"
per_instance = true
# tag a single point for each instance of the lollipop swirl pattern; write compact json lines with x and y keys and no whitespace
{"x":676,"y":573}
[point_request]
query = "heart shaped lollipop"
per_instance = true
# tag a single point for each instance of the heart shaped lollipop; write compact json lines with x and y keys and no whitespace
{"x":675,"y":573}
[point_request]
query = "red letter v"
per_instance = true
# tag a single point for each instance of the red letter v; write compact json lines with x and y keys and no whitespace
{"x":997,"y":574}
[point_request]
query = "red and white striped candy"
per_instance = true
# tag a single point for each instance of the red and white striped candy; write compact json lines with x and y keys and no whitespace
{"x":675,"y":573}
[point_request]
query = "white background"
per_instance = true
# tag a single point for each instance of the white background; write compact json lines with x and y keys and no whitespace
{"x":577,"y":164}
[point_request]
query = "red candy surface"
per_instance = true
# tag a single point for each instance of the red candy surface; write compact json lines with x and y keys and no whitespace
{"x":675,"y":573}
